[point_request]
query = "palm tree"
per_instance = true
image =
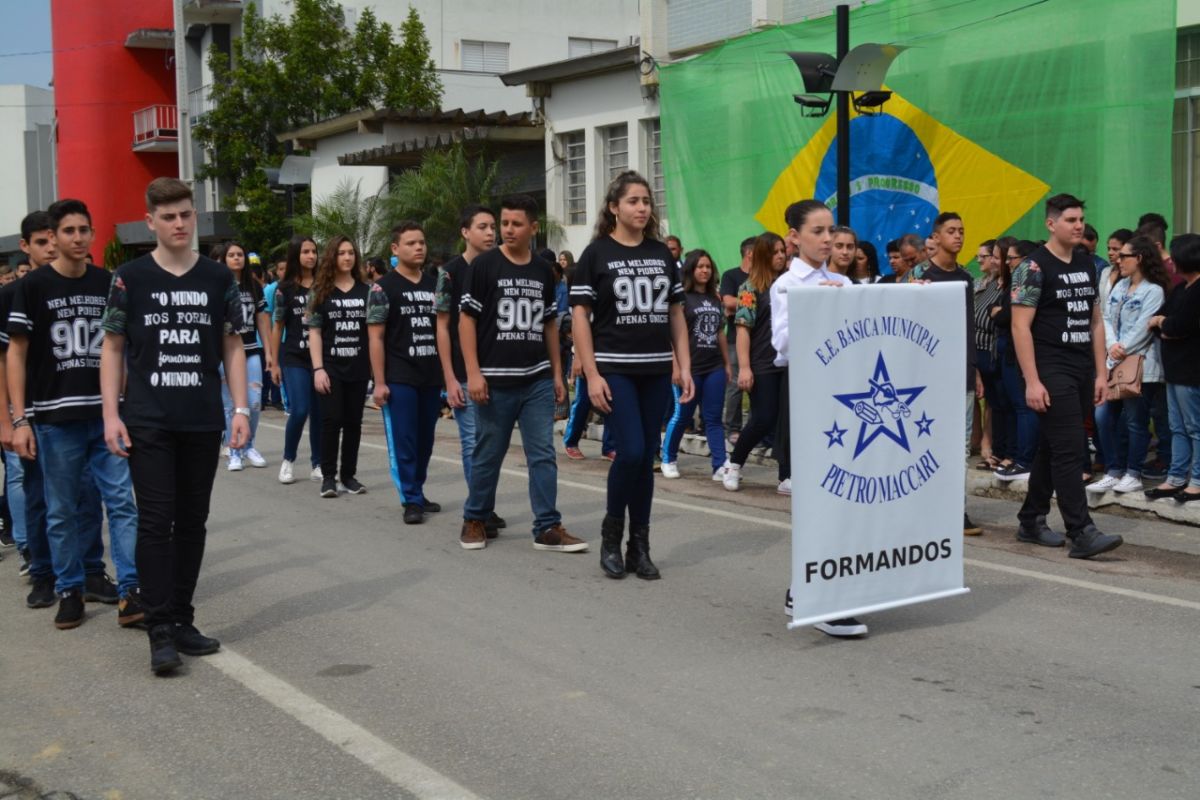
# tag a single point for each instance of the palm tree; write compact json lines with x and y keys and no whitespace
{"x":346,"y":211}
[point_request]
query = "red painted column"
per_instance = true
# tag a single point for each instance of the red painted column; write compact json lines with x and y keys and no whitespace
{"x":98,"y":84}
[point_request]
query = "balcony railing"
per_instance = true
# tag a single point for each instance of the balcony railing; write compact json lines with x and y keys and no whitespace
{"x":156,"y":129}
{"x":199,"y":103}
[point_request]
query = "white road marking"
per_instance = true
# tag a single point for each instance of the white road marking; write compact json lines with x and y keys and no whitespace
{"x":400,"y":768}
{"x":787,"y":526}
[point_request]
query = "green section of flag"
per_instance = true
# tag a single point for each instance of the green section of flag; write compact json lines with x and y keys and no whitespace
{"x":1076,"y":94}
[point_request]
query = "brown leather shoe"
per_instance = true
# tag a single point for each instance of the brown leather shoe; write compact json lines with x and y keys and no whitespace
{"x":473,"y":536}
{"x":559,"y":540}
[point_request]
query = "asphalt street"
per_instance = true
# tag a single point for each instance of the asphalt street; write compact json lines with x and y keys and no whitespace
{"x":368,"y":659}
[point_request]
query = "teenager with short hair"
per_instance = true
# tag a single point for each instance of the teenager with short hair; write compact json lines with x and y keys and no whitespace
{"x":337,"y":344}
{"x":293,"y":364}
{"x":254,"y":335}
{"x":675,"y":245}
{"x":509,"y":342}
{"x":631,"y":340}
{"x":710,"y":366}
{"x":1058,"y":334}
{"x":402,"y":328}
{"x":171,"y":322}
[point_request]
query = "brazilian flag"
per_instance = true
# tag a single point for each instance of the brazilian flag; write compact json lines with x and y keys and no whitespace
{"x":997,"y":104}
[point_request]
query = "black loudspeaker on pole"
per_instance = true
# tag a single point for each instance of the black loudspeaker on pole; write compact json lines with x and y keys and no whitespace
{"x":843,"y":122}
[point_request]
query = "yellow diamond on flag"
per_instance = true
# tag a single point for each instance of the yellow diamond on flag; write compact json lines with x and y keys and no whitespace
{"x":906,"y":167}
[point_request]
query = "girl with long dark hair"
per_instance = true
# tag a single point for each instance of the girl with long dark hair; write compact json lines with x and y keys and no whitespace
{"x":628,"y":320}
{"x":289,"y":341}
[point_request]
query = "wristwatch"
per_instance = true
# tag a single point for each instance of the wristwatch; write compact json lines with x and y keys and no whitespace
{"x":245,"y":412}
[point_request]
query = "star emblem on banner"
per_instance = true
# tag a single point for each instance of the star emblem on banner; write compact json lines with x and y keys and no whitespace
{"x":835,"y":435}
{"x":923,"y":425}
{"x":881,"y":408}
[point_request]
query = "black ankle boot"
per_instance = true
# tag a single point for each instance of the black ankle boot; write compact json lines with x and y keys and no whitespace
{"x":612,"y":530}
{"x":637,"y":553}
{"x":164,"y":658}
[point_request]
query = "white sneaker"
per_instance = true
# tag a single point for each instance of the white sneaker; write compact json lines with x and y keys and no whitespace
{"x":255,"y":458}
{"x":669,"y":469}
{"x":1129,"y":484}
{"x":316,"y":475}
{"x":719,"y":472}
{"x":1103,"y":485}
{"x":732,"y":478}
{"x":285,"y":472}
{"x":235,"y":463}
{"x":224,"y":451}
{"x":848,"y":626}
{"x":785,"y":487}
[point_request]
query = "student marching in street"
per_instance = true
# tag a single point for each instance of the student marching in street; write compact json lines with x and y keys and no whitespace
{"x":402,"y":327}
{"x":337,"y":344}
{"x":258,"y":329}
{"x":54,"y":374}
{"x":710,"y":365}
{"x":477,"y":226}
{"x":758,"y":373}
{"x":293,"y":365}
{"x":172,"y":320}
{"x":1058,"y":334}
{"x":630,"y":337}
{"x":509,"y":342}
{"x":581,"y":410}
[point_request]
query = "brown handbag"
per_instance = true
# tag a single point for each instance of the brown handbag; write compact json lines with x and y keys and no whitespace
{"x":1125,"y":379}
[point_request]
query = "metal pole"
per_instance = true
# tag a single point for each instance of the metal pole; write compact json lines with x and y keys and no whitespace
{"x":843,"y":122}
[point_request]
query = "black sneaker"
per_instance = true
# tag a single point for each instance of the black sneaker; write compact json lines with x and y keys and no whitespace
{"x":192,"y":642}
{"x":6,"y":537}
{"x":1013,"y":472}
{"x":431,"y":507}
{"x":99,"y":588}
{"x":24,"y":562}
{"x":1091,"y":542}
{"x":352,"y":486}
{"x":164,"y":657}
{"x":42,"y":595}
{"x":845,"y":628}
{"x":496,"y":521}
{"x":413,"y":514}
{"x":1040,"y":533}
{"x":70,"y":610}
{"x":130,"y":611}
{"x":329,"y":487}
{"x":970,"y":528}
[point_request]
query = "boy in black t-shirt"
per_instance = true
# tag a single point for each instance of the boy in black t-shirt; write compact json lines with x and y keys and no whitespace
{"x":402,"y":326}
{"x":510,"y":347}
{"x":54,"y":352}
{"x":1058,"y":333}
{"x":172,"y":318}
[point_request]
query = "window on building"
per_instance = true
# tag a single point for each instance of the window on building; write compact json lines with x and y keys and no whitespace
{"x":654,"y":169}
{"x":484,"y":56}
{"x":575,"y":155}
{"x":615,"y":147}
{"x":1185,"y":141}
{"x":577,"y":46}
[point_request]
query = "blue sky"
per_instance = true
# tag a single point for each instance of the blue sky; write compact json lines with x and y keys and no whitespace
{"x":24,"y":28}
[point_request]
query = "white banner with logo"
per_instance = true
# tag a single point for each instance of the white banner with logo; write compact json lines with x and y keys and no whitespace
{"x":878,"y":407}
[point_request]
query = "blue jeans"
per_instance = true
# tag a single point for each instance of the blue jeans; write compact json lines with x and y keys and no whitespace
{"x":1183,"y":408}
{"x":710,"y":396}
{"x":1135,"y":412}
{"x":1023,"y":425}
{"x":14,"y":490}
{"x":577,"y":419}
{"x":997,"y":402}
{"x":638,"y":404}
{"x":69,"y":451}
{"x":465,"y":419}
{"x":254,"y":389}
{"x":410,"y":418}
{"x":532,"y":407}
{"x":302,"y":400}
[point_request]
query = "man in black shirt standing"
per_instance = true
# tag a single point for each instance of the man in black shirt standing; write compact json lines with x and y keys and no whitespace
{"x":402,"y":327}
{"x":1058,"y":333}
{"x":172,"y":318}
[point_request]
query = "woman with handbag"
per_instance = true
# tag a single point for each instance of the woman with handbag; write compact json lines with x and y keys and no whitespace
{"x":1134,"y":363}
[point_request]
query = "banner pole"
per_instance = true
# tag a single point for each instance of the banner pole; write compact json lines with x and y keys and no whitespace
{"x":843,"y":122}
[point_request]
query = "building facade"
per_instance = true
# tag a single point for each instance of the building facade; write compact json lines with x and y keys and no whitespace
{"x":27,"y":167}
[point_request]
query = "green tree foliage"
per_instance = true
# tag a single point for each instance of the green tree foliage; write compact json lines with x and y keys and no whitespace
{"x":346,"y":211}
{"x":283,"y":74}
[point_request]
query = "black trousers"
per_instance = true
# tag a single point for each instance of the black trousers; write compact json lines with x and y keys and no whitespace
{"x":768,"y":414}
{"x":341,"y":416}
{"x":1059,"y":463}
{"x":173,"y":474}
